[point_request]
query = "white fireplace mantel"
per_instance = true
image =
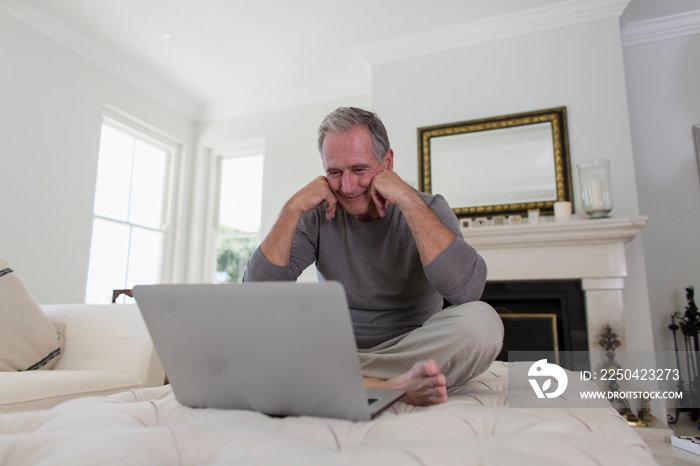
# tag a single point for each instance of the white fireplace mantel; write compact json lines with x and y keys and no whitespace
{"x":573,"y":232}
{"x":592,"y":251}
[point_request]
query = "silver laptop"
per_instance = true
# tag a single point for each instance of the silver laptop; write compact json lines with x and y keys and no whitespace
{"x":279,"y":348}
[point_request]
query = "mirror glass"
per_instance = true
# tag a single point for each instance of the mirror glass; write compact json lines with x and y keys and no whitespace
{"x":501,"y":165}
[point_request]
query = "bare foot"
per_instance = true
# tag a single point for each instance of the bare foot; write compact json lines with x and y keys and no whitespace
{"x":424,"y":384}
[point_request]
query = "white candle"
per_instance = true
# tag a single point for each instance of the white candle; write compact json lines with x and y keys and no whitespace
{"x":562,"y":211}
{"x":597,"y":198}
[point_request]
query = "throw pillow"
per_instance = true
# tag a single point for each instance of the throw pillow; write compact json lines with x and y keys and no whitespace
{"x":28,"y":338}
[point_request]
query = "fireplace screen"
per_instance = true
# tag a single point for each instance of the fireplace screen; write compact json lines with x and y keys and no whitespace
{"x":539,"y":316}
{"x":534,"y":332}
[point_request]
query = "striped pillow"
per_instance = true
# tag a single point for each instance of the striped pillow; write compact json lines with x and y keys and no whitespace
{"x":28,"y":338}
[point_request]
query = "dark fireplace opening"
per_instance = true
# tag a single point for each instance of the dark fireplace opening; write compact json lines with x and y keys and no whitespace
{"x":542,"y":316}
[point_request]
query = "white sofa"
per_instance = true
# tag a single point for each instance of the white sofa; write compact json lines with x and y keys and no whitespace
{"x":107,"y":349}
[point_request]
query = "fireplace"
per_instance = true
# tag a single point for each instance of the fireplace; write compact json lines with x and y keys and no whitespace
{"x":541,"y":316}
{"x":591,"y":252}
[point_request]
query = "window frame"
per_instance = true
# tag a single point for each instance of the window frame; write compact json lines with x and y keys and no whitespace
{"x":217,"y":155}
{"x":173,"y":149}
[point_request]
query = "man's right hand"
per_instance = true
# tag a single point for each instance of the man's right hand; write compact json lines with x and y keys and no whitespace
{"x":277,"y":246}
{"x":313,"y":195}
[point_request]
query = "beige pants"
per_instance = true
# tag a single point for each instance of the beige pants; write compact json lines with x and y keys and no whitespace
{"x":464,"y":340}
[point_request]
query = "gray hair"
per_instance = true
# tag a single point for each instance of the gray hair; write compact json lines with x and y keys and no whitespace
{"x":344,"y":119}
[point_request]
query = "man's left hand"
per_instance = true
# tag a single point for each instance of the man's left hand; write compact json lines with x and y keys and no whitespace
{"x":430,"y":234}
{"x":388,"y":188}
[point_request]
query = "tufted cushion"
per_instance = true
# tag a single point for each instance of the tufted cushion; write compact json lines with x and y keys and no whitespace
{"x":28,"y":339}
{"x":149,"y":426}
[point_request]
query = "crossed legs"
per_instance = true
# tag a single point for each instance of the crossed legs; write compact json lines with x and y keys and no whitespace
{"x":452,"y":347}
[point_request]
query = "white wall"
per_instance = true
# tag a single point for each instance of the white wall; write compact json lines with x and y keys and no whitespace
{"x":51,"y":105}
{"x":663,"y":84}
{"x":580,"y":67}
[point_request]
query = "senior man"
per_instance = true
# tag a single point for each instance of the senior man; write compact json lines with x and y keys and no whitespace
{"x":399,"y":254}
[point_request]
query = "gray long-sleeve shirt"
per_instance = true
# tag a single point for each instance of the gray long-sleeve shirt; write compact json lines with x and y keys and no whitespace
{"x":389,"y":290}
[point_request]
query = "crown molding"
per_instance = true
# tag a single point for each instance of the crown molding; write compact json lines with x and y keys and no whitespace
{"x":44,"y":22}
{"x":301,"y":96}
{"x":668,"y":27}
{"x":539,"y":19}
{"x":514,"y":24}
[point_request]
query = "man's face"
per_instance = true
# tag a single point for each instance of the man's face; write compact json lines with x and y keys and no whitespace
{"x":350,"y":166}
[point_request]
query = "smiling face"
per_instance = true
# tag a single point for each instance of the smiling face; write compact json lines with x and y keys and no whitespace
{"x":350,"y":166}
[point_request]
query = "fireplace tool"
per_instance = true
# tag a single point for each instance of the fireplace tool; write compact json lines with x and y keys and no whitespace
{"x":689,"y":325}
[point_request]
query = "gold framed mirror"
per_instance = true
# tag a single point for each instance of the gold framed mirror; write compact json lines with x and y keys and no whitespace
{"x":498,"y":166}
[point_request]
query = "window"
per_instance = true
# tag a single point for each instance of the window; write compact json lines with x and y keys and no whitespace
{"x":131,"y":213}
{"x":237,"y":217}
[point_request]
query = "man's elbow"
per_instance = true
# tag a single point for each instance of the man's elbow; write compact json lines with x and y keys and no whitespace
{"x":473,"y":285}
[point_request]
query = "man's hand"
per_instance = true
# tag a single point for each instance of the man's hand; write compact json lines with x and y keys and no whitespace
{"x":388,"y":188}
{"x":313,"y":195}
{"x":277,"y":246}
{"x":430,"y":234}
